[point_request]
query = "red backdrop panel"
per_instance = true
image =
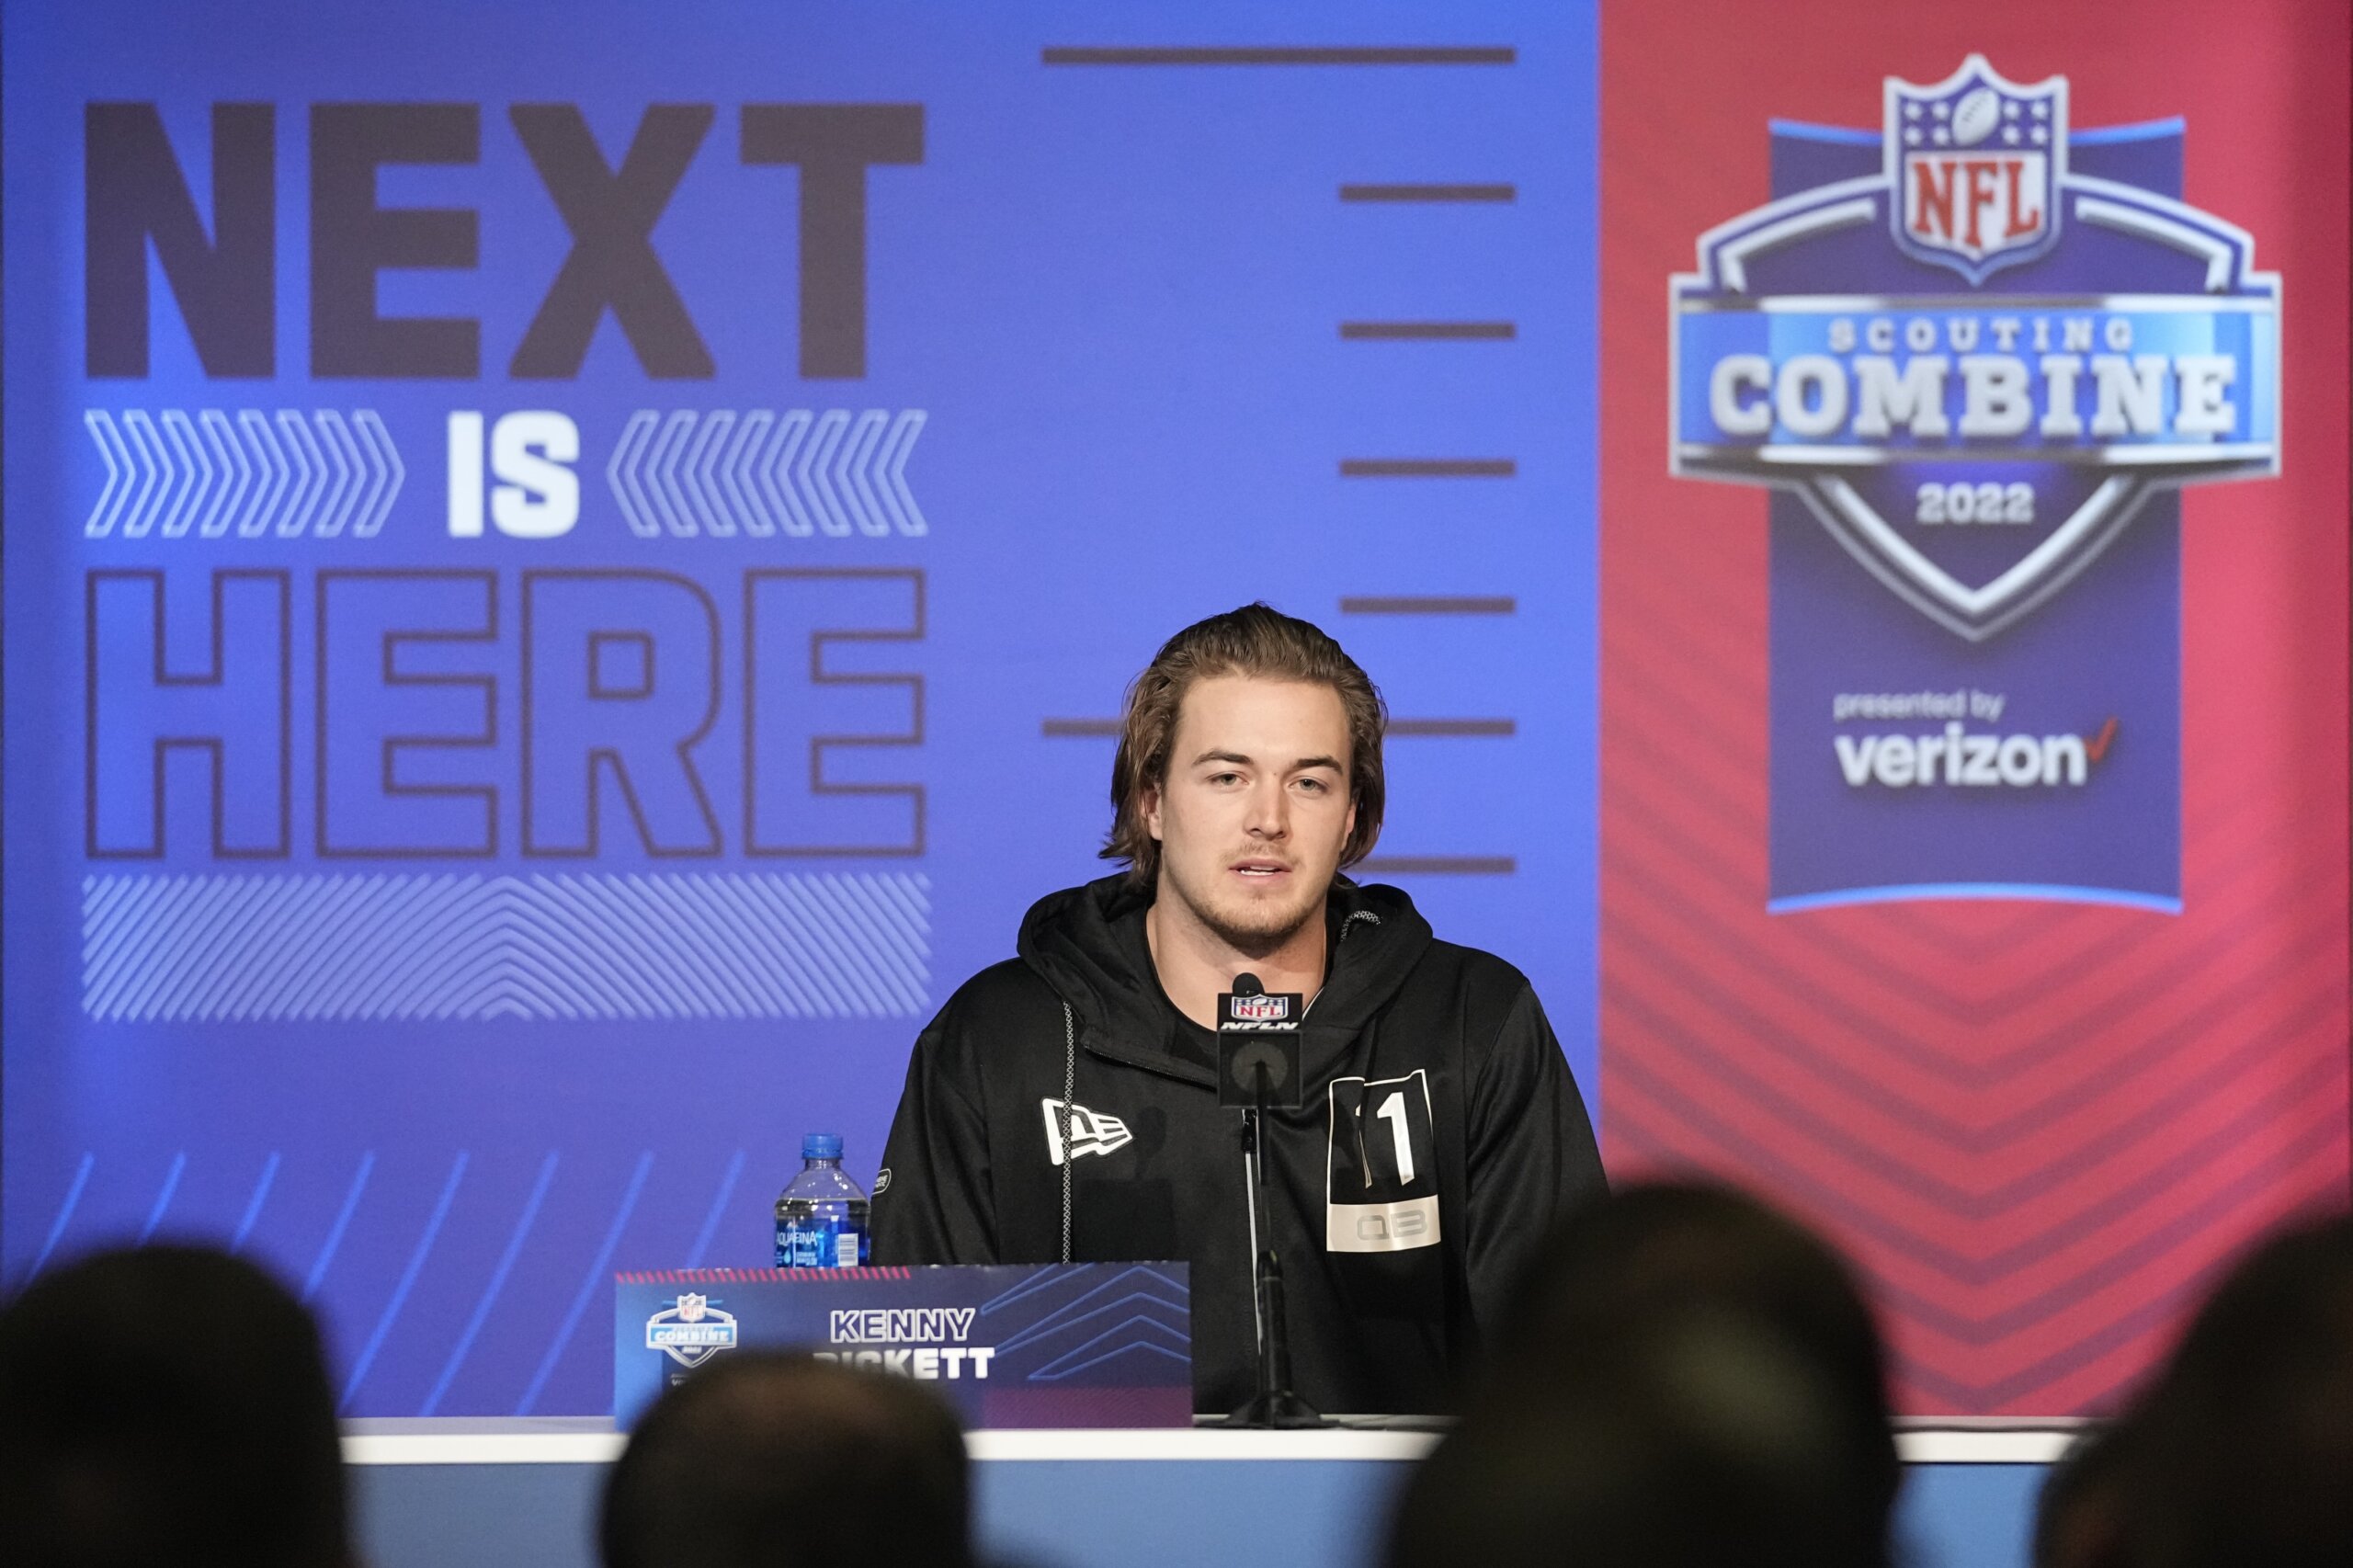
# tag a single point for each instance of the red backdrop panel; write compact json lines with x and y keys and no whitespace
{"x":2041,"y":1127}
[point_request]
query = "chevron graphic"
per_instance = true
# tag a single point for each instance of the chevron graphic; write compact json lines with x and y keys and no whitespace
{"x":2039,"y":1126}
{"x":312,"y":946}
{"x":294,"y":474}
{"x":713,"y":473}
{"x":1136,"y":1309}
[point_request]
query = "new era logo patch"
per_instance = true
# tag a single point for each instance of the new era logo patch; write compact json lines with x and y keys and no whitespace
{"x":1091,"y":1131}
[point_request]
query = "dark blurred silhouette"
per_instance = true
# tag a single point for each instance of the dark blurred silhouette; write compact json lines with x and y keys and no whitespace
{"x":775,"y":1460}
{"x":1687,"y":1379}
{"x":2079,"y":1515}
{"x":2241,"y":1453}
{"x":162,"y":1406}
{"x":1660,"y":1246}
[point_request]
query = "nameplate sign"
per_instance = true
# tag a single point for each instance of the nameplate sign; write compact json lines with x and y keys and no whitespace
{"x":1013,"y":1345}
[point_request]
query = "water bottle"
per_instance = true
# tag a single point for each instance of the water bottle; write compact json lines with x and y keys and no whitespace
{"x":821,"y":1217}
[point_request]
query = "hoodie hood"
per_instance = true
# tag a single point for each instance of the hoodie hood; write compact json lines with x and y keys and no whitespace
{"x":1071,"y":939}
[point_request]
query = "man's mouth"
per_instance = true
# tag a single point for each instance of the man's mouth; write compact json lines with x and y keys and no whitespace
{"x":1259,"y":870}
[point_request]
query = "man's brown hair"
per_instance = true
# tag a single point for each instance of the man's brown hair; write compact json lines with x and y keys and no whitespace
{"x":1259,"y":642}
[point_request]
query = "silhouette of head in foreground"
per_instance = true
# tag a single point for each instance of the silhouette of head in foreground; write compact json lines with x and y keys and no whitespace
{"x":1688,"y":1378}
{"x":2241,"y":1453}
{"x":773,"y":1460}
{"x":167,"y":1405}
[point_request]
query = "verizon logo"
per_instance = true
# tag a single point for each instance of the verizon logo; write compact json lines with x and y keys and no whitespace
{"x":1965,"y":760}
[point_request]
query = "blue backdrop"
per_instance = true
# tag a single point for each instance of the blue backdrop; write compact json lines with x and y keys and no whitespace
{"x":568,"y":567}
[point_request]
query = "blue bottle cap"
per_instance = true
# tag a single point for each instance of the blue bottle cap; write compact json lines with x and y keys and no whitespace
{"x":821,"y":1146}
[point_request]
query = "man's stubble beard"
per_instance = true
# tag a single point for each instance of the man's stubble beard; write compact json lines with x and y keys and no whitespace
{"x":1258,"y":938}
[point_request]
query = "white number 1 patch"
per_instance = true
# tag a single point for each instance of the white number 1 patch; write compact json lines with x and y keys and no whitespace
{"x":1381,"y":1174}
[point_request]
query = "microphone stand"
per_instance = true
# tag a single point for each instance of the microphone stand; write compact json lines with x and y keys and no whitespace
{"x":1274,"y":1405}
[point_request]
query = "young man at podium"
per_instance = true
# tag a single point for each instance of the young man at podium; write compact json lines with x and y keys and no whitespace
{"x":1064,"y":1104}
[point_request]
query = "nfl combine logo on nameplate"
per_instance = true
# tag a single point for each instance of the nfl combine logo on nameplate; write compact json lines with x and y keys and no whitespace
{"x":690,"y":1331}
{"x":1976,"y":348}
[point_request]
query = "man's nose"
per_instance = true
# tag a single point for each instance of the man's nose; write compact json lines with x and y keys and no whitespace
{"x":1269,"y":811}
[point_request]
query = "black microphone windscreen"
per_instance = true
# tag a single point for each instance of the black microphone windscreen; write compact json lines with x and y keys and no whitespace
{"x":1247,"y":984}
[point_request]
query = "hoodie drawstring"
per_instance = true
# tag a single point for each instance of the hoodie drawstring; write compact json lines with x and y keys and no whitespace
{"x":1070,"y":1093}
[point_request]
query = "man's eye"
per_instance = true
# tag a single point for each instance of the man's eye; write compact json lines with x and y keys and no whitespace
{"x":1315,"y":786}
{"x":1223,"y":777}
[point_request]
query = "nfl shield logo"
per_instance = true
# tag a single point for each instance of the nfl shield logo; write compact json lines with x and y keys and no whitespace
{"x":1261,"y":1009}
{"x":692,"y":1307}
{"x":1976,"y":163}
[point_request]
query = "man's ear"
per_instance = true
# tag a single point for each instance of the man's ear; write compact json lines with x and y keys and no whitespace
{"x":1148,"y":804}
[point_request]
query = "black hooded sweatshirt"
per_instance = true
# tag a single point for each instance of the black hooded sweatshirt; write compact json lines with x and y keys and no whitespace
{"x":1439,"y":1136}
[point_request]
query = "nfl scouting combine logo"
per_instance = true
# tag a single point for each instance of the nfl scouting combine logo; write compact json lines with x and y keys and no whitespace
{"x":1977,"y":350}
{"x":690,"y":1331}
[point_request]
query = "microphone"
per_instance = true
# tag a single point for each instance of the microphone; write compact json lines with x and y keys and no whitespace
{"x":1258,"y":1046}
{"x":1258,"y":1069}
